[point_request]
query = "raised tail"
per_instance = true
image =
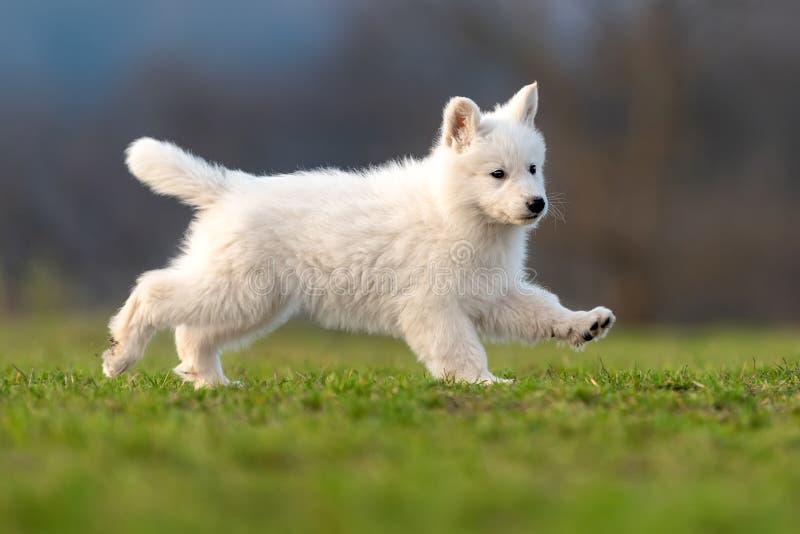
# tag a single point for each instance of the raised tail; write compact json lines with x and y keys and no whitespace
{"x":170,"y":171}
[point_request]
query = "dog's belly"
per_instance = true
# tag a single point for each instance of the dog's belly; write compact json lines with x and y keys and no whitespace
{"x":355,"y":313}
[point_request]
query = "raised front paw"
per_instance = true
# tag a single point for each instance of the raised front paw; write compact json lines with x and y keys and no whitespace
{"x":584,"y":326}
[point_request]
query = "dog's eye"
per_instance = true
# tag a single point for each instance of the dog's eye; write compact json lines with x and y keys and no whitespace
{"x":532,"y":169}
{"x":499,"y":173}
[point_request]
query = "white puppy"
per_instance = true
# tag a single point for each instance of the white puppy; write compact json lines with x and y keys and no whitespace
{"x":430,"y":250}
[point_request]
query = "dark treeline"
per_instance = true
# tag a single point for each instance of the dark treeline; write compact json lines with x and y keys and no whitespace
{"x":672,"y":131}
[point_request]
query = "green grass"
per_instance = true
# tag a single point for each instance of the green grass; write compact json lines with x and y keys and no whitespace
{"x":648,"y":431}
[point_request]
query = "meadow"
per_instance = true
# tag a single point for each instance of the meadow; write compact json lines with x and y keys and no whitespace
{"x":651,"y":430}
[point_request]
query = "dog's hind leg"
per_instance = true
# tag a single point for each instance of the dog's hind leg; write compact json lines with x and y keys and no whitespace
{"x":130,"y":328}
{"x":217,"y":310}
{"x":161,"y":299}
{"x":199,"y":347}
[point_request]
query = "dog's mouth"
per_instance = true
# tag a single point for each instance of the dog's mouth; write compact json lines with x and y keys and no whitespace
{"x":521,"y":220}
{"x":531,"y":218}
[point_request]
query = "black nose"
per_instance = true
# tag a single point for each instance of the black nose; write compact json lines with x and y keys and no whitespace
{"x":536,"y":205}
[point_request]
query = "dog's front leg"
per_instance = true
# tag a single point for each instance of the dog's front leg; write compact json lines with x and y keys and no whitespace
{"x":445,"y":340}
{"x":531,"y":313}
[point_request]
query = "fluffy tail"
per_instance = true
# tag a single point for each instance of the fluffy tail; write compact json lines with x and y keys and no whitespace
{"x":170,"y":171}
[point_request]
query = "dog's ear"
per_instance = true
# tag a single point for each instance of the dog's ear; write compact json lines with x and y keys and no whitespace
{"x":523,"y":105}
{"x":461,"y":118}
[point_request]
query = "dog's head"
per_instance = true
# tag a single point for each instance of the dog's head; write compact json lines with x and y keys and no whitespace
{"x":495,"y":161}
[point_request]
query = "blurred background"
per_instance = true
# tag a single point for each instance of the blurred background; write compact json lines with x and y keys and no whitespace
{"x":672,"y":130}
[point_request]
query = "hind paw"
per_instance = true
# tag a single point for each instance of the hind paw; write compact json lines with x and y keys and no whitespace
{"x":113,"y":365}
{"x":202,"y":380}
{"x":120,"y":356}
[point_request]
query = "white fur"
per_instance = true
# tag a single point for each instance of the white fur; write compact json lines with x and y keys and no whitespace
{"x":428,"y":250}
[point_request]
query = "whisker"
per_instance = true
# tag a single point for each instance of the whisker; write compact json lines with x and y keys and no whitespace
{"x":558,"y":215}
{"x":557,"y":202}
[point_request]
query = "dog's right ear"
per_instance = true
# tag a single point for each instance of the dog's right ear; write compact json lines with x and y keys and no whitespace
{"x":461,"y":118}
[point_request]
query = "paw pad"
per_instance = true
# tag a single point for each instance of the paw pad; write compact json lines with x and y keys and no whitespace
{"x":589,"y":326}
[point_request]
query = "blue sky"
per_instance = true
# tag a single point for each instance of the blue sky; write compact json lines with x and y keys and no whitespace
{"x":83,"y":45}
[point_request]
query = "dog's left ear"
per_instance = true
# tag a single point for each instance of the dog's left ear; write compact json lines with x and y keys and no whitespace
{"x":523,"y":105}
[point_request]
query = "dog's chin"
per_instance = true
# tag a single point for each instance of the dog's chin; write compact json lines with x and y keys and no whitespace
{"x":526,"y":220}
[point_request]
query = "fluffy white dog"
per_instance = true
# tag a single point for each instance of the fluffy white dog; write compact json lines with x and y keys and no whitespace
{"x":430,"y":250}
